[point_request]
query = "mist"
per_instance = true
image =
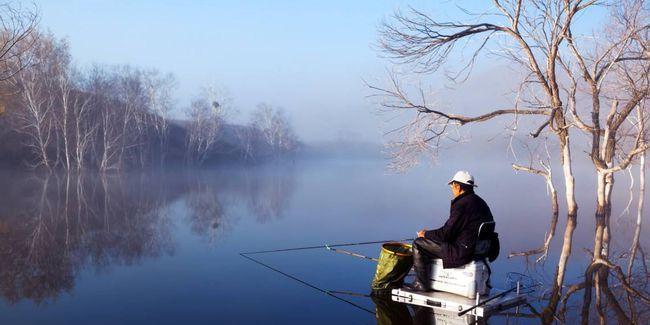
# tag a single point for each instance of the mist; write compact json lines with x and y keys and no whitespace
{"x":146,"y":146}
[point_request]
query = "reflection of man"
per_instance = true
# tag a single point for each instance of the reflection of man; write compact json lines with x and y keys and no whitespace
{"x":454,"y":242}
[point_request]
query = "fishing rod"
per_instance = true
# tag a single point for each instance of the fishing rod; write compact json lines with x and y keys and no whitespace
{"x":518,"y":288}
{"x":350,"y":293}
{"x":325,"y":246}
{"x":534,"y":314}
{"x":342,"y":251}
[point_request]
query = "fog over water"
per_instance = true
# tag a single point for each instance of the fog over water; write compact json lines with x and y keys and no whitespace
{"x":162,"y":247}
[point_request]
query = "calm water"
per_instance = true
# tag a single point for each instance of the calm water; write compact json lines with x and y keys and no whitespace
{"x":162,"y":248}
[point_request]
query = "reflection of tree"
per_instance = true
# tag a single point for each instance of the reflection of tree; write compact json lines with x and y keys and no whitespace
{"x":265,"y":192}
{"x":131,"y":222}
{"x":207,"y":213}
{"x":29,"y":267}
{"x":55,"y":225}
{"x":270,"y":194}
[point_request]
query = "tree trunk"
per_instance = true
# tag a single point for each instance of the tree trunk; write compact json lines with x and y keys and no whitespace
{"x":637,"y":230}
{"x":572,"y":212}
{"x":66,"y":142}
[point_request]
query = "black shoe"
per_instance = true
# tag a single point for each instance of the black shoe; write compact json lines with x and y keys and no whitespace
{"x":417,"y":286}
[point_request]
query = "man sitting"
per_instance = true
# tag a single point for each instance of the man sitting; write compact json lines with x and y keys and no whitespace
{"x":455,"y":241}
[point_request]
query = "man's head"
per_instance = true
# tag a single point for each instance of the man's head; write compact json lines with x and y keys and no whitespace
{"x":462,"y":182}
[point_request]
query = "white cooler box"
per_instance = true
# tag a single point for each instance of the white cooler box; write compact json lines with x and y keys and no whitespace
{"x":467,"y":280}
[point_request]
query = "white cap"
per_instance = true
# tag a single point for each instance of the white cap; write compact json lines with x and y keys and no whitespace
{"x":464,"y":177}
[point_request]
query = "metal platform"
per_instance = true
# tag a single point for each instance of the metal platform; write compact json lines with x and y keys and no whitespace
{"x":449,"y":302}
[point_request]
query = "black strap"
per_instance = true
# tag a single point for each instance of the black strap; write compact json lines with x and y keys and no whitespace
{"x":487,"y":265}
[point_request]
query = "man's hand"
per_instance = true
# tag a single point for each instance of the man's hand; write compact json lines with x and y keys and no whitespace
{"x":421,"y":233}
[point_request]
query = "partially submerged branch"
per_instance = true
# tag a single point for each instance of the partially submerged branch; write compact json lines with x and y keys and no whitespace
{"x":548,"y":178}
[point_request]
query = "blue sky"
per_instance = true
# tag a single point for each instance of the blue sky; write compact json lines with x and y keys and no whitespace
{"x":309,"y":57}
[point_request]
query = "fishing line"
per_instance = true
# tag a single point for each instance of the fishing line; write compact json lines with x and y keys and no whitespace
{"x":325,"y":246}
{"x":327,"y":292}
{"x":330,"y":293}
{"x":511,"y":276}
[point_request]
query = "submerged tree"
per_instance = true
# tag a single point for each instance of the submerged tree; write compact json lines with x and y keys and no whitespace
{"x":207,"y":116}
{"x":566,"y":77}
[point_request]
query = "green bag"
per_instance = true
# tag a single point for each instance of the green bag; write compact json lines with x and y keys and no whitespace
{"x":395,"y":262}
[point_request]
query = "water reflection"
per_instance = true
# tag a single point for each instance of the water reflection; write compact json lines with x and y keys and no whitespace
{"x":268,"y":197}
{"x":54,"y":226}
{"x":390,"y":312}
{"x":61,"y":234}
{"x":207,"y":213}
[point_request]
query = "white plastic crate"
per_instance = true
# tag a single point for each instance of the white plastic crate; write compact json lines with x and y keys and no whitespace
{"x":466,"y":280}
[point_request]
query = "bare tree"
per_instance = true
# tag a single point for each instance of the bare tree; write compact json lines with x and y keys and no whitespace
{"x":614,"y":68}
{"x":274,"y":127}
{"x":108,"y":117}
{"x":206,"y":119}
{"x":75,"y":126}
{"x":159,"y":101}
{"x":130,"y":114}
{"x":65,"y":89}
{"x":84,"y":126}
{"x":37,"y":108}
{"x":634,"y":248}
{"x":130,"y":106}
{"x":105,"y":149}
{"x":17,"y":29}
{"x":247,"y":135}
{"x":37,"y":120}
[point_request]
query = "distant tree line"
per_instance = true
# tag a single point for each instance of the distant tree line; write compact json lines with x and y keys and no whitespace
{"x":112,"y":118}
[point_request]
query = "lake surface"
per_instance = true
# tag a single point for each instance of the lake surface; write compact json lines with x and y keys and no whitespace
{"x":163,"y":247}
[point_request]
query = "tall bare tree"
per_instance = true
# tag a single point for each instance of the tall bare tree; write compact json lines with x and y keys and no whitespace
{"x":207,"y":116}
{"x":159,"y":101}
{"x":37,"y":109}
{"x":81,"y":120}
{"x":100,"y":84}
{"x":129,"y":111}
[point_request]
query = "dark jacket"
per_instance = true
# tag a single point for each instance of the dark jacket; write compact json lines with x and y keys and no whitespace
{"x":458,"y":236}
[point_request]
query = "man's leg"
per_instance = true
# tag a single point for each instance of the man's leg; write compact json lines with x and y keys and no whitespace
{"x":423,"y":251}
